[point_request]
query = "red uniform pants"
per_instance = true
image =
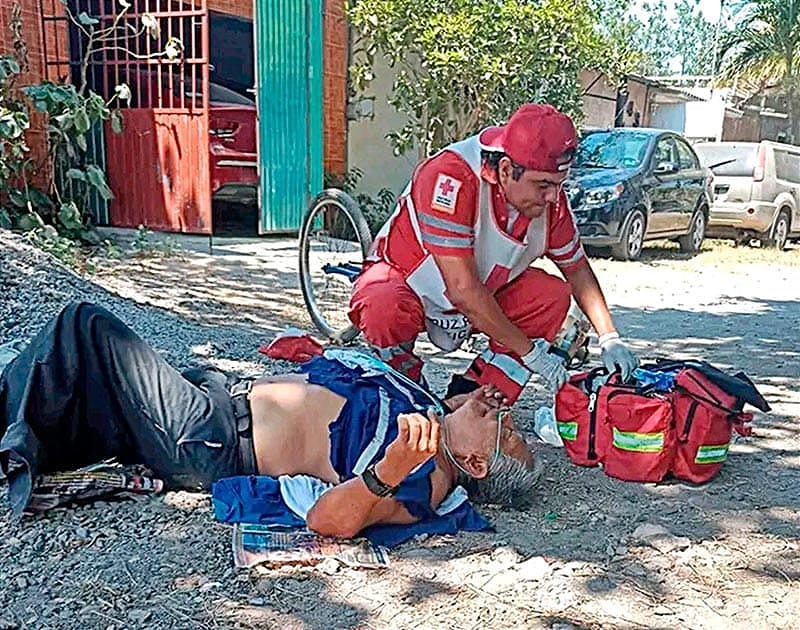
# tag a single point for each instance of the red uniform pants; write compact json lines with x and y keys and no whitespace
{"x":390,"y":315}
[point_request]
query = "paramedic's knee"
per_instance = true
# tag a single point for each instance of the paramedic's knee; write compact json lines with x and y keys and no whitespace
{"x":384,"y":308}
{"x":537,"y":302}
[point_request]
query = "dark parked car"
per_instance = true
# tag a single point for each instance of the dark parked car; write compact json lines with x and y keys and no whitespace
{"x":628,"y":185}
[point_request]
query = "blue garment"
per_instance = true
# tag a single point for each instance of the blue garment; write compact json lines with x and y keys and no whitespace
{"x":252,"y":499}
{"x":367,"y":424}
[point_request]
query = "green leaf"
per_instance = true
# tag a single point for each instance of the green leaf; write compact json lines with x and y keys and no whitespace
{"x":117,"y":121}
{"x":12,"y":125}
{"x":38,"y":198}
{"x":86,"y":19}
{"x":97,"y":178}
{"x":70,"y":217}
{"x":5,"y":219}
{"x":81,"y":142}
{"x":81,"y":120}
{"x":29,"y":221}
{"x":76,"y":173}
{"x":10,"y":65}
{"x":96,"y":107}
{"x":18,"y":198}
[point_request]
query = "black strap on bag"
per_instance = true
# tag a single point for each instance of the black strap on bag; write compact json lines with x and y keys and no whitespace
{"x":738,"y":385}
{"x":590,"y":383}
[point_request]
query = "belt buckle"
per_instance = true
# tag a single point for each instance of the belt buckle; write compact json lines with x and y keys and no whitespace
{"x":242,"y":388}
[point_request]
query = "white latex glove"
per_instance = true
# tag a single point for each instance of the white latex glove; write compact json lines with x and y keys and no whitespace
{"x":615,"y":355}
{"x":549,"y":366}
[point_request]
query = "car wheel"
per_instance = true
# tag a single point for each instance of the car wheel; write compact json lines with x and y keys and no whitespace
{"x":630,"y":245}
{"x":692,"y":242}
{"x":780,"y":232}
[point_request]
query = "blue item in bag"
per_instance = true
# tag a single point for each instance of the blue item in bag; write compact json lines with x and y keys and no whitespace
{"x":659,"y":381}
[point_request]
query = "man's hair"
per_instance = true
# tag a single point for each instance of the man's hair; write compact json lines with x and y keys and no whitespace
{"x":510,"y":483}
{"x":492,"y":160}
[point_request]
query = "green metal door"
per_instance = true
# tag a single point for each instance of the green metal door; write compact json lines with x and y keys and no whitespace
{"x":288,"y":58}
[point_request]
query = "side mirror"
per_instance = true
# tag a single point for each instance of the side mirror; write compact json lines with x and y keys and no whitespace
{"x":665,"y":168}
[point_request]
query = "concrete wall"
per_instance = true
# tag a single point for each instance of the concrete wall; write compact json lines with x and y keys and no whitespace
{"x":367,"y":147}
{"x":740,"y":128}
{"x":599,"y":99}
{"x":669,"y":116}
{"x":704,"y":118}
{"x":640,"y":95}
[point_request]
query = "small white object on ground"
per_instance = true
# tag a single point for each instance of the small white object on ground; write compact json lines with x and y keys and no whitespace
{"x":544,"y":423}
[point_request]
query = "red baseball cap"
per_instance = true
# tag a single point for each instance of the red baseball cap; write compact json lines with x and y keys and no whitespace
{"x":538,"y":137}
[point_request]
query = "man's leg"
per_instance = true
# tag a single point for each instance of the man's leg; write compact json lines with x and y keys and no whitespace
{"x":537,"y":302}
{"x":390,"y":316}
{"x":87,"y":388}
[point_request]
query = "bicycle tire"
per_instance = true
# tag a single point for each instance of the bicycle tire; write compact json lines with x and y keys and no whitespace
{"x":342,"y":203}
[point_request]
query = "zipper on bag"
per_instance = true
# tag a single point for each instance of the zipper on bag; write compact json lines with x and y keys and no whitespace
{"x":592,"y":454}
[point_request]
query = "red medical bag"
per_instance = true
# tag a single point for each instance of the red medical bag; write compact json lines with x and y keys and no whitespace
{"x":705,"y":416}
{"x":640,"y":434}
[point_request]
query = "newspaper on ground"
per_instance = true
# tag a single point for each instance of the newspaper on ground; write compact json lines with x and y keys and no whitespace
{"x":90,"y":483}
{"x":255,"y":544}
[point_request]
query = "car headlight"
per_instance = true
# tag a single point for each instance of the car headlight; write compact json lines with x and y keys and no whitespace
{"x":600,"y":196}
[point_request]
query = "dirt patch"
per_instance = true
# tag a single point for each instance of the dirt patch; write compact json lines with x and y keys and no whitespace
{"x":575,"y":560}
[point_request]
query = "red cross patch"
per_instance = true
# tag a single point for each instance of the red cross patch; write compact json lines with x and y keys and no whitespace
{"x":445,"y":194}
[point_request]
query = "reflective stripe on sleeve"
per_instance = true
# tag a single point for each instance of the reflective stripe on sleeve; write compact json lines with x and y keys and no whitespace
{"x":508,"y":365}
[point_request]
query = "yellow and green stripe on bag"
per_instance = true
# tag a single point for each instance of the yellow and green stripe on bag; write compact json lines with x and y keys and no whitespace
{"x":638,"y":442}
{"x":711,"y":454}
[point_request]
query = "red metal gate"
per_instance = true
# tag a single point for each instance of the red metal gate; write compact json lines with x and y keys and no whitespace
{"x":158,"y":167}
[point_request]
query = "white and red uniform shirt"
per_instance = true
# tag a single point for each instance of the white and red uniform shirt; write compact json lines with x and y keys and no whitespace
{"x":454,"y":207}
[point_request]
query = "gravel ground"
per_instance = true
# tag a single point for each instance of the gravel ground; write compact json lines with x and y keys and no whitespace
{"x":581,"y":558}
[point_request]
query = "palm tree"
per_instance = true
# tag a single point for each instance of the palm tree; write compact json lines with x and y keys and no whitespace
{"x":764,"y":48}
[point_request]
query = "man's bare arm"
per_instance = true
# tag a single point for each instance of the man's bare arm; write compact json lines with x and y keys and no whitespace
{"x":589,"y":296}
{"x":473,"y":299}
{"x":346,"y":509}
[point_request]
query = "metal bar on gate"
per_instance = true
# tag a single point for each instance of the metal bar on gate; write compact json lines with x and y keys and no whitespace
{"x":139,"y":78}
{"x":157,"y":101}
{"x":205,"y":53}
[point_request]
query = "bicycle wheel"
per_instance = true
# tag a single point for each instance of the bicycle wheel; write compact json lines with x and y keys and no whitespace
{"x":334,"y":240}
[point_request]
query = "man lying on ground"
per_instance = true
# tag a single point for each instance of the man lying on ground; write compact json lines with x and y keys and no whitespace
{"x":87,"y":389}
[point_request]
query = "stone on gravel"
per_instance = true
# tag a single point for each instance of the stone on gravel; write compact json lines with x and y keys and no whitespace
{"x":505,"y":556}
{"x":659,"y":538}
{"x":139,"y":616}
{"x":534,"y":569}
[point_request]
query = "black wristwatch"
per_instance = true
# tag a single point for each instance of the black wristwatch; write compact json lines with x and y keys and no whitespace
{"x":375,"y":485}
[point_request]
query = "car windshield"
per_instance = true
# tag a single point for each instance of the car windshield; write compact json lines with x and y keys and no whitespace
{"x":731,"y":160}
{"x":611,"y":149}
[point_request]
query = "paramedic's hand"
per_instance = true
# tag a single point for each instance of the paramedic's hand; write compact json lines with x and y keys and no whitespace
{"x":549,"y":366}
{"x":616,"y":355}
{"x":416,"y":442}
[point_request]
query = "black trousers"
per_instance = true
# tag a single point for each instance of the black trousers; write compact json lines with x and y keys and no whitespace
{"x":87,"y":388}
